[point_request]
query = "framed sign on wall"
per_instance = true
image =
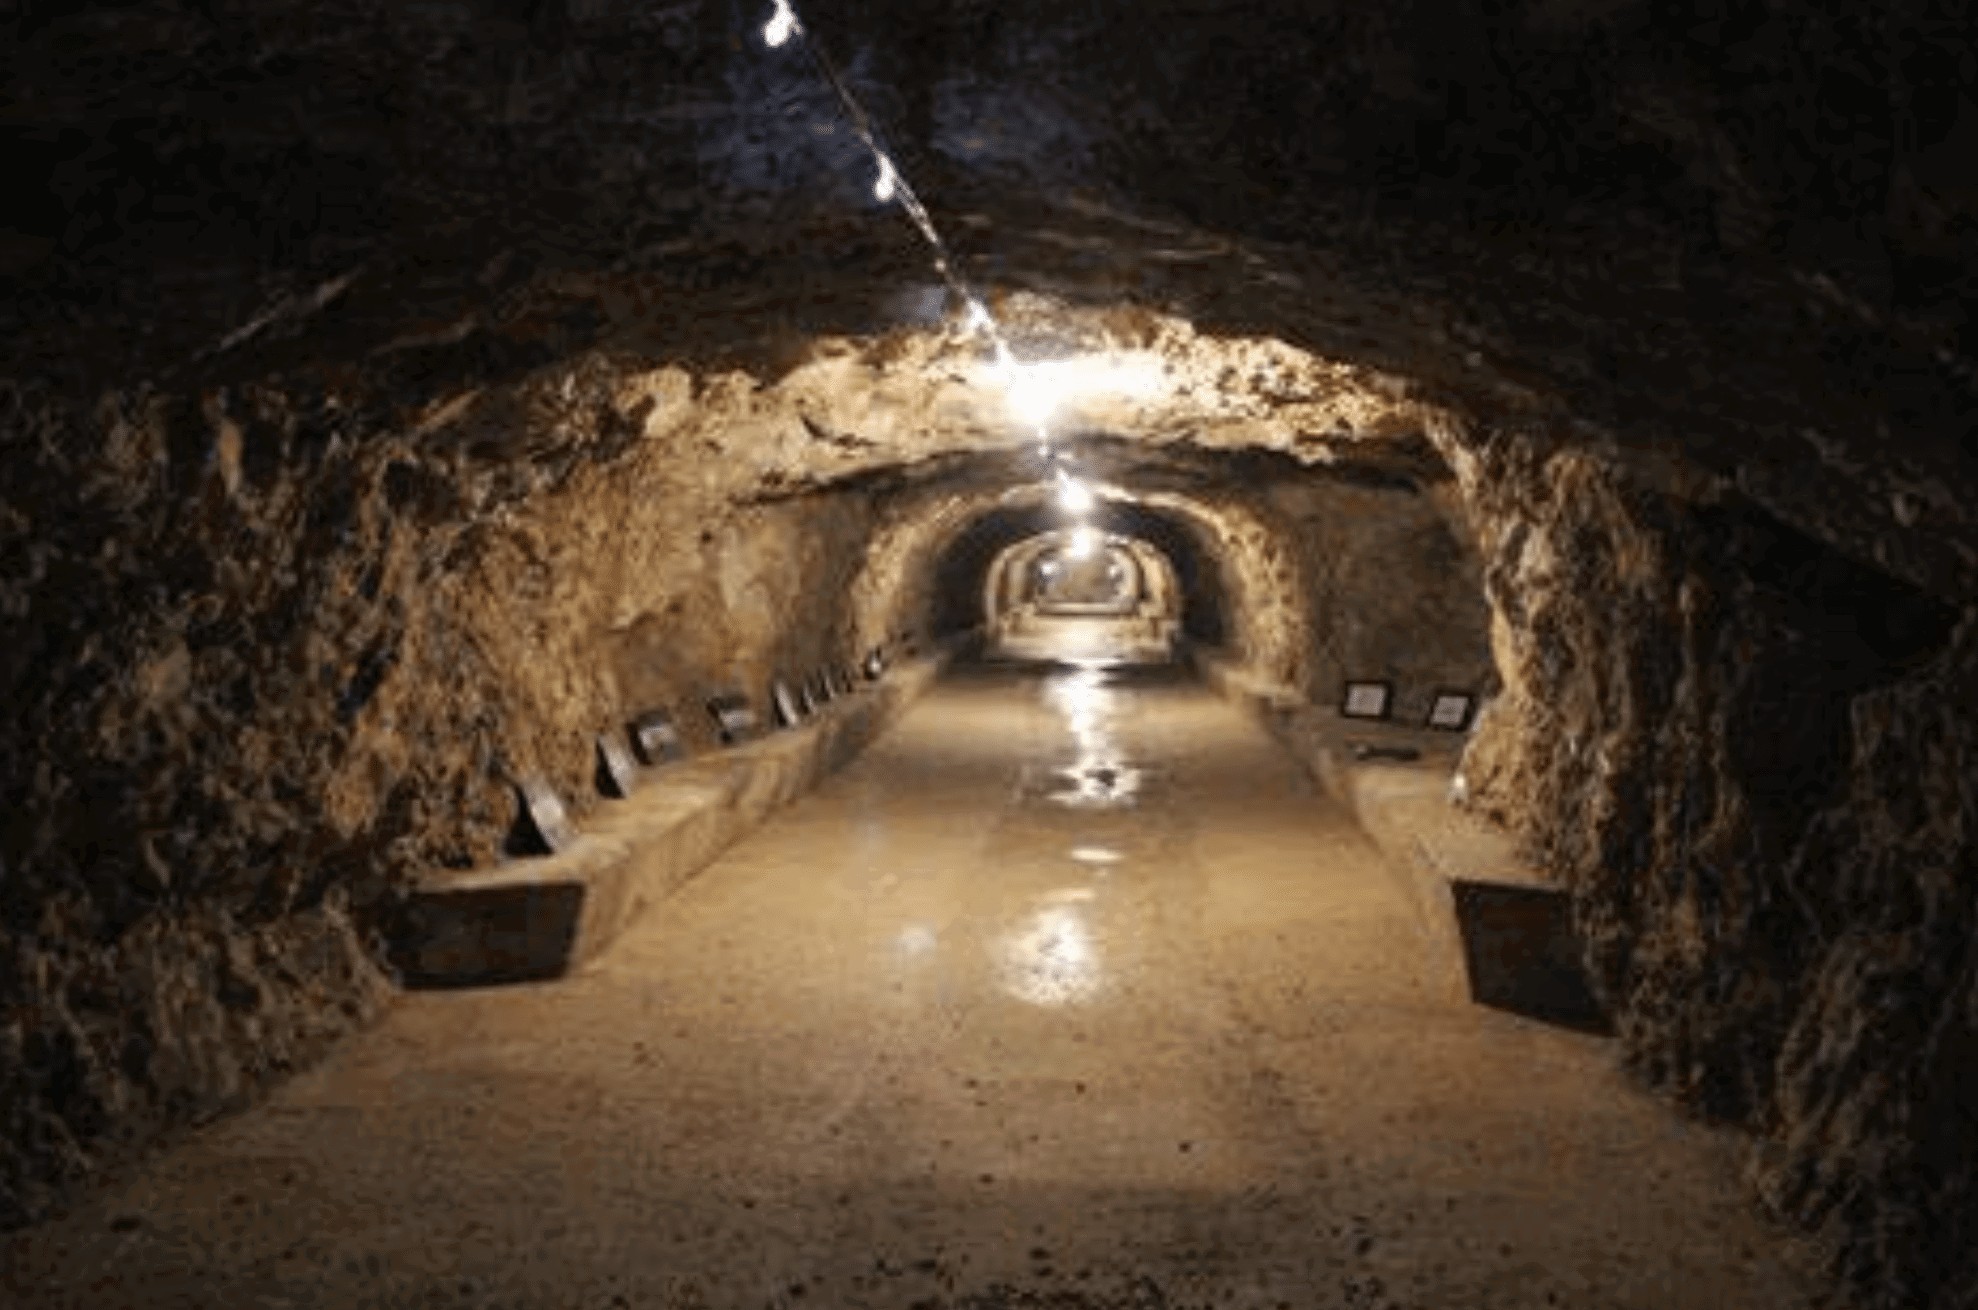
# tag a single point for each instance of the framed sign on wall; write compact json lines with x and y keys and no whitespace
{"x":654,"y":738}
{"x":1371,"y":699}
{"x":617,"y":771}
{"x":1452,"y":711}
{"x":789,"y":710}
{"x":733,"y":717}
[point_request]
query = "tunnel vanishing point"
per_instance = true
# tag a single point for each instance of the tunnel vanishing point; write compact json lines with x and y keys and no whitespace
{"x":416,"y":416}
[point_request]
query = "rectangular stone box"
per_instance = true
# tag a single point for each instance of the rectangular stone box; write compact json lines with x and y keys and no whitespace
{"x":533,"y":920}
{"x":1523,"y":954}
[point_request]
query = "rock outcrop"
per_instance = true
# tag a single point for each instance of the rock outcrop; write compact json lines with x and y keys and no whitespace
{"x":1750,"y":758}
{"x":395,"y":395}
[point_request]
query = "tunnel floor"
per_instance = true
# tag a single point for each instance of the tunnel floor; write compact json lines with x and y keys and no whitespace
{"x":1070,"y":993}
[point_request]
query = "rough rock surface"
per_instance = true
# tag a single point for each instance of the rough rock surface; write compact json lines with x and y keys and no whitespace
{"x":282,"y":643}
{"x":397,"y":394}
{"x":1390,"y":589}
{"x":272,"y":659}
{"x":1750,"y":757}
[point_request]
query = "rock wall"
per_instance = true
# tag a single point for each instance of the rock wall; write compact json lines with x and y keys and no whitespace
{"x":276,"y":650}
{"x":930,"y":563}
{"x":1751,"y":758}
{"x":1306,"y":576}
{"x":1734,"y":237}
{"x":1389,"y":590}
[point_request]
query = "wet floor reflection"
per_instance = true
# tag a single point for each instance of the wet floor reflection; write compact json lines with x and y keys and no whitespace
{"x":1068,"y":993}
{"x":1100,"y":775}
{"x":1052,"y":958}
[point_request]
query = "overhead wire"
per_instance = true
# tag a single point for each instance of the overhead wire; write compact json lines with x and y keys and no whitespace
{"x":892,"y":184}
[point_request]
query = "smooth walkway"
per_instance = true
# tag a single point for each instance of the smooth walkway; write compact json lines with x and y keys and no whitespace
{"x":1070,"y":993}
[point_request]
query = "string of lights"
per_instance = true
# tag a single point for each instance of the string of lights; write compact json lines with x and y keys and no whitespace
{"x":891,"y":185}
{"x":1032,"y":398}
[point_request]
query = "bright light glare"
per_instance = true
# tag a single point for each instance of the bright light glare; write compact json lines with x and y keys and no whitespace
{"x":1101,"y":778}
{"x":978,"y":316}
{"x":888,"y":183}
{"x":1074,"y":496}
{"x":781,"y":26}
{"x":1035,"y":391}
{"x":917,"y":939}
{"x":1032,"y":395}
{"x":1083,"y":542}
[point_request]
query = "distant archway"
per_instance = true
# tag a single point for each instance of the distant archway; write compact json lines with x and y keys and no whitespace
{"x":1082,"y":588}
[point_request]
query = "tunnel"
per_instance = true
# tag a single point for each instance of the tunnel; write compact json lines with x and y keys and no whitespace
{"x":931,"y":653}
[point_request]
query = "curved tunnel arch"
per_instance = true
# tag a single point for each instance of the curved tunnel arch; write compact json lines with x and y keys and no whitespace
{"x":308,"y":576}
{"x":1122,"y":575}
{"x":1078,"y":592}
{"x":966,"y":566}
{"x":1286,"y":568}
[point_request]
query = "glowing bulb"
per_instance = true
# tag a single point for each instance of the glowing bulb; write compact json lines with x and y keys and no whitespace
{"x":888,"y":183}
{"x":1074,"y":496}
{"x":1033,"y":395}
{"x":781,"y":25}
{"x":1083,"y":543}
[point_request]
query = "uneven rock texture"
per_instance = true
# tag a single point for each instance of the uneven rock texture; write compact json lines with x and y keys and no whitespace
{"x":1388,"y":588}
{"x":1742,"y":227}
{"x":187,"y":1015}
{"x":1876,"y":1078}
{"x":272,"y":654}
{"x":397,"y":394}
{"x":285,"y":642}
{"x":1751,"y":759}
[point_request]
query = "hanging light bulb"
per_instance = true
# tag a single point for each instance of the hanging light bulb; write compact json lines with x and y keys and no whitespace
{"x":782,"y":24}
{"x":888,"y":184}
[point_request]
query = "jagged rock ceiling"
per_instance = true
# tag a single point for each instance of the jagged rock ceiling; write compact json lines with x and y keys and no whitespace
{"x":393,"y":394}
{"x":1727,"y":244}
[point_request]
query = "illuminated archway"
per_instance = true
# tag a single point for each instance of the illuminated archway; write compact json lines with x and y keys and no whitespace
{"x":1080,"y":590}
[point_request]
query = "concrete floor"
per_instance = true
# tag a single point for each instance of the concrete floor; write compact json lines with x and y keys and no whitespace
{"x":1070,"y":993}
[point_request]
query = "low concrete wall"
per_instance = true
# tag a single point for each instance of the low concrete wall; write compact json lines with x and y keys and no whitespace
{"x":544,"y":918}
{"x":1404,"y":807}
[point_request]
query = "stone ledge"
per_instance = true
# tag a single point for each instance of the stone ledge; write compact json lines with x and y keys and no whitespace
{"x":538,"y":919}
{"x":1496,"y":931}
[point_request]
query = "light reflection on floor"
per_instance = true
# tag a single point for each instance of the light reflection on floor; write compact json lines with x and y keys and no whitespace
{"x":1051,"y":959}
{"x":1101,"y":774}
{"x":936,"y":1037}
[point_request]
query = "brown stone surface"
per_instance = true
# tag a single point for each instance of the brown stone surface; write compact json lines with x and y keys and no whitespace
{"x":396,"y":396}
{"x":1750,"y":759}
{"x":963,"y":1029}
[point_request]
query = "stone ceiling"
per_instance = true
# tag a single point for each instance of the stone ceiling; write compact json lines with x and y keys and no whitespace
{"x":1317,"y":224}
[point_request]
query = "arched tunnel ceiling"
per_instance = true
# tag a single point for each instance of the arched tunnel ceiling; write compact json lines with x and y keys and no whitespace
{"x":1616,"y":223}
{"x":963,"y":565}
{"x":395,"y":396}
